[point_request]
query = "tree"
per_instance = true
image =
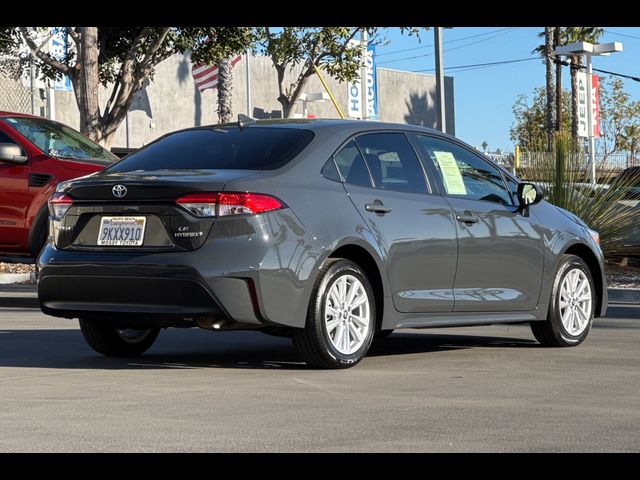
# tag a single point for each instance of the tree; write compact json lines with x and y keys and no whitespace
{"x":564,"y":36}
{"x":225,"y":86}
{"x":529,"y":127}
{"x":550,"y":91}
{"x":122,"y":59}
{"x":330,"y":48}
{"x":557,"y":34}
{"x":620,"y":117}
{"x":551,"y":37}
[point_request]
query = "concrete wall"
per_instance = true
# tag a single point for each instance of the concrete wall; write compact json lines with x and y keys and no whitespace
{"x":171,"y":101}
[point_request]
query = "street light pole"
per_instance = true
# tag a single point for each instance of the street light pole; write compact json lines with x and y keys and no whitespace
{"x":437,"y":37}
{"x":588,"y":50}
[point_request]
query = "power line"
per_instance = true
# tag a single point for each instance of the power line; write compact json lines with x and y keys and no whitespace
{"x":450,"y":49}
{"x":622,"y":34}
{"x":488,"y":64}
{"x":608,"y":72}
{"x":446,"y":41}
{"x":474,"y":66}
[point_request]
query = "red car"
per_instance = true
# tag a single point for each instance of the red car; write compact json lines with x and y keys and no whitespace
{"x":36,"y":154}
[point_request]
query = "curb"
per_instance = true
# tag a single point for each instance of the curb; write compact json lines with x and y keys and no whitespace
{"x":8,"y":279}
{"x":630,"y":296}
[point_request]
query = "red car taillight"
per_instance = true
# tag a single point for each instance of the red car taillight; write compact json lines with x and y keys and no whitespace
{"x":228,"y":203}
{"x":59,"y":203}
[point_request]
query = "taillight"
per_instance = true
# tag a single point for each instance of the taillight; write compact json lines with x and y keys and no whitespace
{"x":228,"y":203}
{"x":59,"y":203}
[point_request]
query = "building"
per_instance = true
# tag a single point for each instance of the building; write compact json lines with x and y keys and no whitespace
{"x":171,"y":101}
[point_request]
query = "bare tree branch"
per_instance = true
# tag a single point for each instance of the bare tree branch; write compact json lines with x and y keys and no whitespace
{"x":153,"y":48}
{"x":44,"y":57}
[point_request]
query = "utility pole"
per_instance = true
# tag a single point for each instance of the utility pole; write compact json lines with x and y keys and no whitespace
{"x":32,"y":79}
{"x":440,"y":95}
{"x":364,"y":38}
{"x":248,"y":77}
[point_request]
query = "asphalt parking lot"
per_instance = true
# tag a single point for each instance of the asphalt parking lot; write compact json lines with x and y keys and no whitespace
{"x":446,"y":390}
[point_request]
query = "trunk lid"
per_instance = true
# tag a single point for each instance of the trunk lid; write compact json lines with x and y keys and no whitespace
{"x":111,"y":204}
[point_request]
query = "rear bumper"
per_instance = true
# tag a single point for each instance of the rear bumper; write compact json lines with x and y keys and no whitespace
{"x":169,"y":292}
{"x":253,"y":271}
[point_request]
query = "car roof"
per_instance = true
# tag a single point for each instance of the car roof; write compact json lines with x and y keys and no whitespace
{"x":328,"y":125}
{"x":17,"y":114}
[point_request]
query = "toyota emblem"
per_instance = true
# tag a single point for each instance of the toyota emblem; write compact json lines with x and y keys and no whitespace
{"x":119,"y":191}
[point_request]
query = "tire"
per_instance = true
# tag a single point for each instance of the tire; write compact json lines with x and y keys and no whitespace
{"x":105,"y":338}
{"x":554,"y":332}
{"x":382,"y":334}
{"x":39,"y":233}
{"x":323,"y":342}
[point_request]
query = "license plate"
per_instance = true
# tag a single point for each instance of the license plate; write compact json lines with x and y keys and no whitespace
{"x":121,"y":231}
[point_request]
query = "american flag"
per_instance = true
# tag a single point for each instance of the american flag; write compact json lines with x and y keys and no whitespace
{"x":206,"y":76}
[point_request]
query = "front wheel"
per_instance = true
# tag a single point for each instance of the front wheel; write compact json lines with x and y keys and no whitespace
{"x":105,"y":338}
{"x":572,"y":306}
{"x":341,"y":318}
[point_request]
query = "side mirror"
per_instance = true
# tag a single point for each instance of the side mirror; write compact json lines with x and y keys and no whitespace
{"x":528,"y":194}
{"x":10,"y":152}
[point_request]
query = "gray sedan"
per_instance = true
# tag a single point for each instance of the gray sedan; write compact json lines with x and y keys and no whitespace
{"x":330,"y":232}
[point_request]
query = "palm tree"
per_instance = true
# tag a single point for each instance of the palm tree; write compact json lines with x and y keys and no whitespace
{"x":557,"y":35}
{"x":578,"y":34}
{"x":564,"y":36}
{"x":548,"y":45}
{"x":546,"y":52}
{"x":225,"y":83}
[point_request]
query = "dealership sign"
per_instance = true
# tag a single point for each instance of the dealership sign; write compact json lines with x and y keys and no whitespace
{"x":354,"y":92}
{"x":586,"y":107}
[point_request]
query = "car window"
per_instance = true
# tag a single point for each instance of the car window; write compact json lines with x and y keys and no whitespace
{"x":465,"y":174}
{"x":512,"y":187}
{"x":351,"y":166}
{"x":4,"y":138}
{"x":58,"y":140}
{"x":220,"y":148}
{"x":392,"y":162}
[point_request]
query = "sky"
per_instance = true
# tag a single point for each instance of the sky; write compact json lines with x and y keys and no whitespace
{"x":485,"y":95}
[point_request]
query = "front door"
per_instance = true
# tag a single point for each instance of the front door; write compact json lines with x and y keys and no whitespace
{"x":414,"y":228}
{"x":500,"y":251}
{"x":14,"y":180}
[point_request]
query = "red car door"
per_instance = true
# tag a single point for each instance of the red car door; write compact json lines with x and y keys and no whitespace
{"x":14,"y":179}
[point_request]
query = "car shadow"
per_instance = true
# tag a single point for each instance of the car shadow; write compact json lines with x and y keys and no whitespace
{"x":186,"y":349}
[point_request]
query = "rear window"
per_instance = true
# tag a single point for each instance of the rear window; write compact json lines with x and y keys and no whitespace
{"x":257,"y":148}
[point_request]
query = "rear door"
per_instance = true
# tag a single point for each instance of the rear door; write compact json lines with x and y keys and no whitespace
{"x":500,"y":251}
{"x":414,"y":228}
{"x":14,"y":179}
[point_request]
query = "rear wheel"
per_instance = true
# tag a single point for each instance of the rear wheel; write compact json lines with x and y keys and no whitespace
{"x":39,"y":233}
{"x":341,"y":317}
{"x":105,"y":338}
{"x":572,"y":306}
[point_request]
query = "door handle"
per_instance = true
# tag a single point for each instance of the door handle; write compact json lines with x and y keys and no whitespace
{"x":377,"y":207}
{"x":467,"y":218}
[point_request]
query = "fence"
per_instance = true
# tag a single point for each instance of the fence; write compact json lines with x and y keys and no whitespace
{"x":14,"y":96}
{"x":612,"y":163}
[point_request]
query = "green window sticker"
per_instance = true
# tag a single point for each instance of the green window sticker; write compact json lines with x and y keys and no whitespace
{"x":451,"y":175}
